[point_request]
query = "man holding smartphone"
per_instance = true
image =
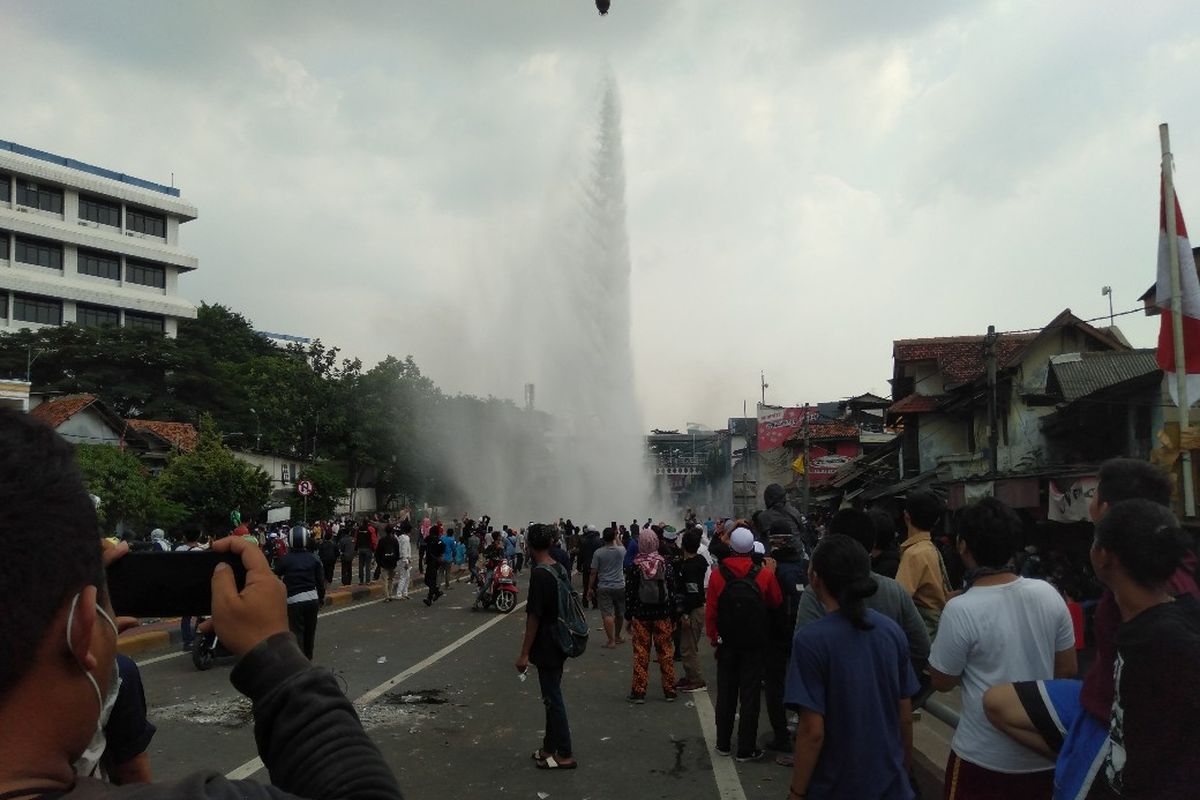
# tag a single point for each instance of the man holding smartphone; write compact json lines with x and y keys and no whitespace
{"x":58,"y":655}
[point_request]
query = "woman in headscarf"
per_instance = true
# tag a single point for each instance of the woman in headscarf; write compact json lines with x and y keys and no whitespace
{"x":650,"y":607}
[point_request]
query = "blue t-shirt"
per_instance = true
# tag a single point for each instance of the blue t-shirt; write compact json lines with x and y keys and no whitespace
{"x":855,"y":680}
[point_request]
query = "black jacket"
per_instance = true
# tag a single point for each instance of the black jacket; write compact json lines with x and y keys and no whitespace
{"x":301,"y":571}
{"x":388,"y":551}
{"x":307,"y":733}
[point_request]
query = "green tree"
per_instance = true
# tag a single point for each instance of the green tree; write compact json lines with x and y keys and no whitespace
{"x":212,"y":482}
{"x":329,"y":489}
{"x":128,"y":493}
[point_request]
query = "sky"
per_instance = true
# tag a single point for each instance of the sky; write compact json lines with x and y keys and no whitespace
{"x":806,"y":182}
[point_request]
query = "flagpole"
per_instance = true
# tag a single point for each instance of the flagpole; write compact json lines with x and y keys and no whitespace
{"x":1189,"y":489}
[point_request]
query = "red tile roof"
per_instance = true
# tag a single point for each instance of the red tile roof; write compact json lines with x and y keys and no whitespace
{"x":960,"y":358}
{"x":916,"y":404}
{"x":57,"y":411}
{"x":182,"y":435}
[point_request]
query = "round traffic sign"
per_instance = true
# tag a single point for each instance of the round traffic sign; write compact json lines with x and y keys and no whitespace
{"x":305,"y":487}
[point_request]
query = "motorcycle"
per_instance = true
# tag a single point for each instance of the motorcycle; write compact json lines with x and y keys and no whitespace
{"x":500,"y":589}
{"x":207,"y":649}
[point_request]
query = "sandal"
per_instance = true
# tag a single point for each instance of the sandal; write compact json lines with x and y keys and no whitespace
{"x":541,"y":755}
{"x":549,"y":762}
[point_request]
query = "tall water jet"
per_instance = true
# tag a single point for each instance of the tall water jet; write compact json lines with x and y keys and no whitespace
{"x":566,"y":303}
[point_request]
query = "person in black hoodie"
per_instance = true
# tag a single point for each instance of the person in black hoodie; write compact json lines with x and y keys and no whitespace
{"x":60,"y":653}
{"x":587,"y":548}
{"x":304,"y":578}
{"x":387,"y":556}
{"x":328,"y":553}
{"x":435,"y":550}
{"x":791,"y":572}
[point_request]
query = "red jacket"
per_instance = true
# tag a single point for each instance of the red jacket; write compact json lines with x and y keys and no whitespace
{"x":740,"y":567}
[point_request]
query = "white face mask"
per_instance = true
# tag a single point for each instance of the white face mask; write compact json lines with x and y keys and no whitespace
{"x":87,"y":762}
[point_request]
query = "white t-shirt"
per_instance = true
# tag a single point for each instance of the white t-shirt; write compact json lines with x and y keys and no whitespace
{"x":999,"y":634}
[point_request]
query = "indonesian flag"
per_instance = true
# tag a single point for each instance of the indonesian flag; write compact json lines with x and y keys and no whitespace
{"x":1189,"y":287}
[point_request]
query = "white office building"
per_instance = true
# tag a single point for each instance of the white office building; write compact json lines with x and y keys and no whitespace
{"x":86,"y":245}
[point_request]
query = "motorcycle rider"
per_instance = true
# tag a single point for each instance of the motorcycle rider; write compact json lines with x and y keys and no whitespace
{"x":304,"y":578}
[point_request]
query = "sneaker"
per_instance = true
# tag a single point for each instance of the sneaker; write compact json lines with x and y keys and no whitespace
{"x":723,"y":751}
{"x":427,"y":601}
{"x":755,"y":756}
{"x":698,"y":686}
{"x":636,"y":699}
{"x":670,"y":696}
{"x":779,"y":746}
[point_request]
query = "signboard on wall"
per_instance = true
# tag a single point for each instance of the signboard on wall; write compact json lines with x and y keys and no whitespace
{"x":1070,"y":499}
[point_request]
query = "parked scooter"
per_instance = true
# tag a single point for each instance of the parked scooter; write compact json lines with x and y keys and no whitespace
{"x":500,"y":589}
{"x":207,"y":649}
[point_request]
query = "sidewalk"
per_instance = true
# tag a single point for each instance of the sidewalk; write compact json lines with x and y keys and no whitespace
{"x":163,"y":634}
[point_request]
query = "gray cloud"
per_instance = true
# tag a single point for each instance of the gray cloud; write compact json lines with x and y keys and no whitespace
{"x":806,"y":182}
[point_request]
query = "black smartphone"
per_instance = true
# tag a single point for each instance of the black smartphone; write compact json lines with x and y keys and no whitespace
{"x":174,"y":584}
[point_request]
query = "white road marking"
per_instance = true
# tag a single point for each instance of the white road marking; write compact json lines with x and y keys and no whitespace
{"x":729,"y":785}
{"x":169,"y":656}
{"x":254,"y":765}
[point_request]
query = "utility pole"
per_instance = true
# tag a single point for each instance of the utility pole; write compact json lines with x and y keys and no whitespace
{"x":1189,"y":488}
{"x":993,"y":427}
{"x":762,"y":379}
{"x":1106,"y":291}
{"x":804,"y":475}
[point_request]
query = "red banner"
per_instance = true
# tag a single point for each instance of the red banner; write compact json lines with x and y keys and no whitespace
{"x":777,"y":425}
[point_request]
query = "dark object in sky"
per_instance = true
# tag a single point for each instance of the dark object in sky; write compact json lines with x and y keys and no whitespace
{"x":602,"y":6}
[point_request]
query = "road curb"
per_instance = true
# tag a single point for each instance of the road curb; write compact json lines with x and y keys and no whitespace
{"x":151,"y":640}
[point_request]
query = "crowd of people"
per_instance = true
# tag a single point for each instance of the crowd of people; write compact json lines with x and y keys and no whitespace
{"x":770,"y":611}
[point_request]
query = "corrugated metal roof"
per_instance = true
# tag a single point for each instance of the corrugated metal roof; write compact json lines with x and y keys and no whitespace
{"x":1077,"y":375}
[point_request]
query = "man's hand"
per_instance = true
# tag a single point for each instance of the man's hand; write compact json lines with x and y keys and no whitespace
{"x":769,"y":564}
{"x":523,"y":662}
{"x":259,"y":611}
{"x":109,"y":553}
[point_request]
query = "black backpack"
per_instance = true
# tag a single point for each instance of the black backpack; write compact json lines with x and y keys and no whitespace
{"x":741,"y":611}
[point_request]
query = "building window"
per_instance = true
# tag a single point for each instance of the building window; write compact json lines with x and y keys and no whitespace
{"x":94,"y":209}
{"x":27,"y":308}
{"x":39,"y":196}
{"x":100,"y":265}
{"x":41,"y":253}
{"x":5,"y":190}
{"x":96,"y":316}
{"x":145,"y":322}
{"x":145,"y":274}
{"x":146,"y":222}
{"x":4,"y":245}
{"x":3,"y":305}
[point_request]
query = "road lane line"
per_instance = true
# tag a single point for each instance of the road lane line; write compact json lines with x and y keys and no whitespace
{"x":352,"y":607}
{"x":255,"y":764}
{"x":729,"y":785}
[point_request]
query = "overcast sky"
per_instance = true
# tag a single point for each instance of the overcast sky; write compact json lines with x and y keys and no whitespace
{"x":807,"y":181}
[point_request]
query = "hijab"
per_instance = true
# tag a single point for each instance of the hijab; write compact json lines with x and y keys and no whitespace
{"x":652,"y":565}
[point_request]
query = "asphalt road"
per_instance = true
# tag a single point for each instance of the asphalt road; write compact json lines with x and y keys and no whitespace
{"x":437,"y":690}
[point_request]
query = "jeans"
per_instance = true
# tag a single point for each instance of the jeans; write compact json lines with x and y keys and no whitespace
{"x":558,"y":732}
{"x":347,"y":571}
{"x":739,"y":679}
{"x":518,"y":561}
{"x":364,"y":565}
{"x":389,"y":582}
{"x":329,"y":565}
{"x":302,"y":620}
{"x":186,"y":632}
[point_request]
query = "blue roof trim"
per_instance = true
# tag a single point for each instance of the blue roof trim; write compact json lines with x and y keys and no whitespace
{"x":91,"y":169}
{"x":285,"y":337}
